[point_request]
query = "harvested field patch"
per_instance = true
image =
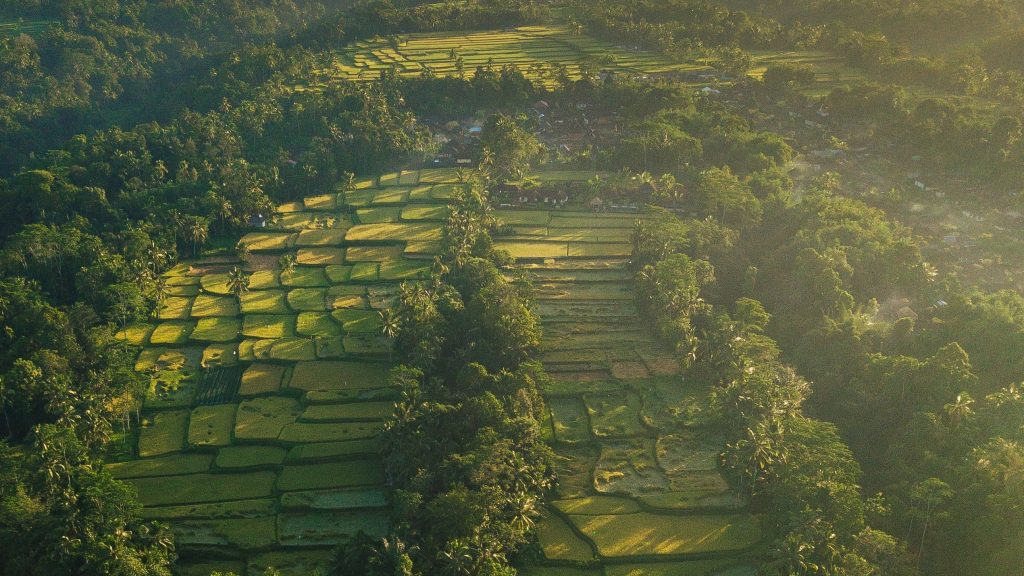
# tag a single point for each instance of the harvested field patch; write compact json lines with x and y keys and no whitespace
{"x":211,"y":425}
{"x":353,"y":499}
{"x":338,"y":375}
{"x":353,"y":412}
{"x":293,"y":349}
{"x":628,"y":467}
{"x":171,"y":332}
{"x":614,"y":415}
{"x":569,"y":418}
{"x":328,"y":528}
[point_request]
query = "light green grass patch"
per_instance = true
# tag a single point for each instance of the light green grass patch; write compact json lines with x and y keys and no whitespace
{"x":687,"y":568}
{"x":268,"y":326}
{"x":261,"y":379}
{"x":373,"y":253}
{"x":268,"y":241}
{"x":211,"y":425}
{"x":263,"y":280}
{"x":328,"y":528}
{"x":220,"y":354}
{"x":199,"y":488}
{"x":431,"y":213}
{"x":216,"y":329}
{"x":308,"y":299}
{"x":207,"y":306}
{"x":238,"y":533}
{"x":338,"y":375}
{"x":597,"y":505}
{"x":320,"y":256}
{"x":400,"y":231}
{"x":135,"y":334}
{"x":163,"y":433}
{"x":174,"y":308}
{"x":162,"y":466}
{"x":317,"y":324}
{"x":614,"y":415}
{"x":264,"y":302}
{"x":173,"y":332}
{"x":321,"y":202}
{"x":604,"y":250}
{"x":656,"y":534}
{"x":365,"y":272}
{"x":333,"y":450}
{"x":359,"y":321}
{"x":304,"y":432}
{"x":365,"y":345}
{"x":534,"y":249}
{"x":293,"y":349}
{"x":354,"y":412}
{"x":354,"y":499}
{"x":264,"y":418}
{"x":378,"y":215}
{"x":308,"y":238}
{"x":569,"y":418}
{"x":558,"y":541}
{"x":235,"y":457}
{"x":339,"y":274}
{"x":524,"y":217}
{"x":348,"y":474}
{"x":304,"y":277}
{"x":404,"y":270}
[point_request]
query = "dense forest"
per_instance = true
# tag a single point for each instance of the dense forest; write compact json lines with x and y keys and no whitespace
{"x":868,"y":400}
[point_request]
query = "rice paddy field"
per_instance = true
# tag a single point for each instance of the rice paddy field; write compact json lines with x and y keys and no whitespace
{"x":258,"y":438}
{"x":639,"y":488}
{"x":29,"y":27}
{"x":535,"y":50}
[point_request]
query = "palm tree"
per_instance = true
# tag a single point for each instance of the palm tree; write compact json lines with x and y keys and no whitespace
{"x":389,"y":327}
{"x":287,"y":263}
{"x":960,"y":410}
{"x":198,"y":232}
{"x":160,"y":292}
{"x":3,"y":403}
{"x":238,"y":282}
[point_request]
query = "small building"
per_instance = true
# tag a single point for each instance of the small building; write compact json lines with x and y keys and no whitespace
{"x":596,"y":203}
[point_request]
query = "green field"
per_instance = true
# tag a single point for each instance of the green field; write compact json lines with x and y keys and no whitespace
{"x":282,"y":456}
{"x":537,"y":51}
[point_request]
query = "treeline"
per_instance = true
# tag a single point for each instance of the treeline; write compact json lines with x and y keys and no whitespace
{"x":101,"y":63}
{"x":464,"y":452}
{"x":917,"y":375}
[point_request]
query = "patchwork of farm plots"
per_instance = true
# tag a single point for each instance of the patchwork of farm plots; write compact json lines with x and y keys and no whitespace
{"x":535,"y":50}
{"x":639,"y":490}
{"x":258,"y":439}
{"x":29,"y":27}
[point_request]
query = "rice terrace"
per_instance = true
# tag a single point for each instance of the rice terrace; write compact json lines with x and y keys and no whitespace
{"x":258,"y":435}
{"x":511,"y":288}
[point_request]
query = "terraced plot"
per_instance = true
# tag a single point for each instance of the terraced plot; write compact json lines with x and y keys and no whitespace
{"x":639,"y":488}
{"x":258,"y":445}
{"x":540,"y":52}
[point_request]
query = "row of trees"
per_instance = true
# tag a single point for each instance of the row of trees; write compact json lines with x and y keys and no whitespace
{"x":464,"y":452}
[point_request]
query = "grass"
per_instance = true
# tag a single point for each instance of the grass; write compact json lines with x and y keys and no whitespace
{"x":268,"y":325}
{"x":359,"y":321}
{"x":403,"y":270}
{"x":373,"y":253}
{"x":321,"y":202}
{"x":252,"y":508}
{"x":268,"y":241}
{"x":688,"y":568}
{"x":163,"y":433}
{"x":378,"y":215}
{"x":348,"y":474}
{"x":319,"y":324}
{"x":199,"y":488}
{"x":558,"y":541}
{"x":524,"y":217}
{"x":535,"y":50}
{"x":352,"y":499}
{"x":220,"y":354}
{"x":614,"y":415}
{"x":238,"y":533}
{"x":249,"y":456}
{"x":264,"y":418}
{"x":338,"y":375}
{"x":643,"y":533}
{"x":211,"y":425}
{"x":433,"y":213}
{"x":597,"y":505}
{"x":347,"y":296}
{"x":338,"y":274}
{"x":304,"y":277}
{"x":569,"y":417}
{"x":261,"y":379}
{"x":301,"y":432}
{"x":365,"y":272}
{"x":328,"y":528}
{"x":209,"y":306}
{"x":162,"y":466}
{"x":135,"y":334}
{"x":329,"y":450}
{"x":308,"y":238}
{"x":320,"y":256}
{"x":354,"y":412}
{"x":264,"y":302}
{"x":394,"y":232}
{"x":532,"y":250}
{"x":293,"y":349}
{"x":170,"y":333}
{"x":308,"y":299}
{"x":174,"y":308}
{"x":216,"y":329}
